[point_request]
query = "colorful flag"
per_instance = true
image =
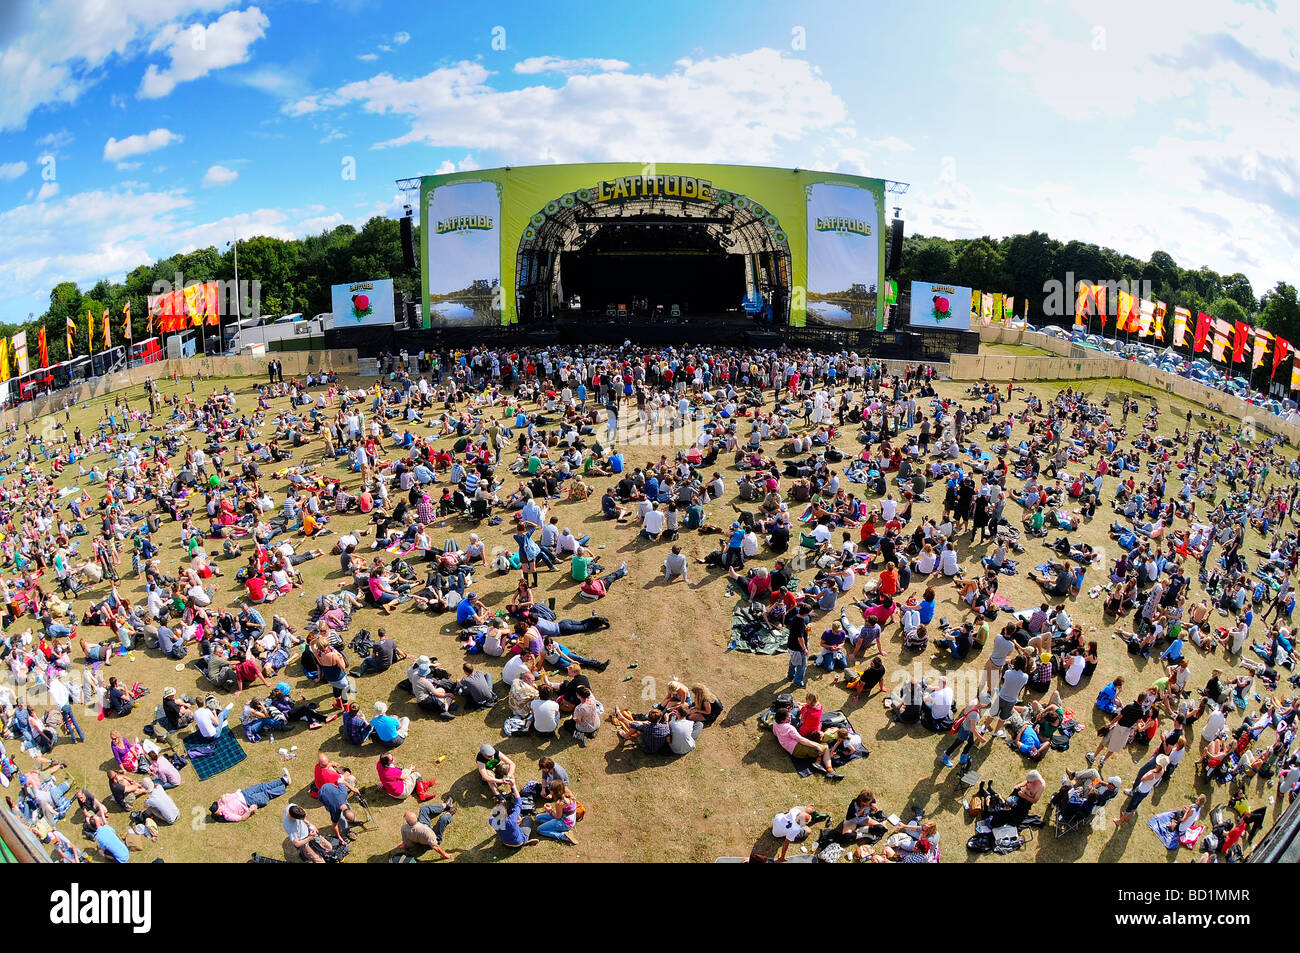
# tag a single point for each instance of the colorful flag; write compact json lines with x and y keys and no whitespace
{"x":1158,"y":321}
{"x":126,"y":323}
{"x":1008,"y":309}
{"x":1081,"y":304}
{"x":45,"y":351}
{"x":1241,"y":335}
{"x":1099,"y":300}
{"x":1146,"y":317}
{"x":1182,"y":318}
{"x":1221,"y":340}
{"x":20,"y":353}
{"x":107,"y":340}
{"x":1295,"y":374}
{"x":1262,"y":339}
{"x":90,"y":332}
{"x":1283,"y":346}
{"x":1203,"y":325}
{"x":72,"y":332}
{"x":976,"y":297}
{"x":1122,"y":309}
{"x":4,"y":359}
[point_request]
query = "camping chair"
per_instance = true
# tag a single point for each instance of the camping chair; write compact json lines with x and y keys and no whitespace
{"x":1072,"y":819}
{"x":478,"y":509}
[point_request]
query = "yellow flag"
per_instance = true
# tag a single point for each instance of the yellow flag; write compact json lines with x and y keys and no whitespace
{"x":90,"y":332}
{"x":108,"y":342}
{"x":4,"y":359}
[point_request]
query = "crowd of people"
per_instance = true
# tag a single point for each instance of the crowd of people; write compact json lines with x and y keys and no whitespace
{"x":857,"y":493}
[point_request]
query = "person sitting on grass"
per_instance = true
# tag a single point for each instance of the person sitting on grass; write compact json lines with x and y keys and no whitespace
{"x":417,"y":832}
{"x":651,"y":733}
{"x":796,"y":745}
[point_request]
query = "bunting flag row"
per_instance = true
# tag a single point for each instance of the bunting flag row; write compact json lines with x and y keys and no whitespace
{"x":1229,"y":342}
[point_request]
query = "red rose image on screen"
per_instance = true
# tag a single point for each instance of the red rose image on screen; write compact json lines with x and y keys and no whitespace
{"x":360,"y":306}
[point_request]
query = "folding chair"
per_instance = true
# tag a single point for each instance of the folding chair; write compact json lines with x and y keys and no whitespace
{"x":1062,"y":824}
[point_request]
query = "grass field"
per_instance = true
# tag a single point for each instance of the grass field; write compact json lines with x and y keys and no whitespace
{"x":717,"y":801}
{"x":1016,"y":350}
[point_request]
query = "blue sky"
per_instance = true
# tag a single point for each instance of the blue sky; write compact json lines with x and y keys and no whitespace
{"x":133,"y":129}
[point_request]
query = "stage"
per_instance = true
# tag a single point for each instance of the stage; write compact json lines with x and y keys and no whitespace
{"x":725,"y":329}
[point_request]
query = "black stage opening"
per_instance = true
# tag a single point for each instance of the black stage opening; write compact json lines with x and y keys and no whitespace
{"x":653,"y":258}
{"x":653,"y":267}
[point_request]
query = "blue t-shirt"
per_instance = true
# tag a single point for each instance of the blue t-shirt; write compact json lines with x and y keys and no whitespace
{"x":464,"y":611}
{"x":926,"y":611}
{"x":510,"y":832}
{"x":385,"y":728}
{"x":616,"y":463}
{"x":108,"y":841}
{"x":334,"y":797}
{"x":1029,"y":741}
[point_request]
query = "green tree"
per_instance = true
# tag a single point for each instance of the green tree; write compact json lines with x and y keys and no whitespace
{"x":1228,"y":310}
{"x":1237,"y":287}
{"x":1281,"y":311}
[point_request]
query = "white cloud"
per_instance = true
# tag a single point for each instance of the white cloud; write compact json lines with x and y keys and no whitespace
{"x":197,"y":50}
{"x":12,"y":170}
{"x":127,"y":166}
{"x":106,"y":232}
{"x":749,"y":107}
{"x":1205,"y":183}
{"x":56,"y":140}
{"x":116,"y":149}
{"x":61,"y":49}
{"x":312,"y":226}
{"x":466,"y":164}
{"x":568,"y":67}
{"x":401,"y":38}
{"x":48,"y":191}
{"x":219,"y":175}
{"x":367,"y":57}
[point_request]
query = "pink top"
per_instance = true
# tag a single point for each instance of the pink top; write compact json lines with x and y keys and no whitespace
{"x":390,"y":777}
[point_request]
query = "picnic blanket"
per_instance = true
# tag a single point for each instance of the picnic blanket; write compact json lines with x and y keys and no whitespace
{"x":835,"y":719}
{"x":1165,"y":826}
{"x":749,"y":633}
{"x":212,"y":756}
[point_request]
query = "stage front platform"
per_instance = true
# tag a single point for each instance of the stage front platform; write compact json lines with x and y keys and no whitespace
{"x":724,"y":330}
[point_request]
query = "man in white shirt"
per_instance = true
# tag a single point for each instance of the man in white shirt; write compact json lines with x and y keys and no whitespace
{"x":652,"y":525}
{"x":546,"y":712}
{"x":941,"y":702}
{"x":1213,"y":724}
{"x":792,"y":827}
{"x":208,"y":720}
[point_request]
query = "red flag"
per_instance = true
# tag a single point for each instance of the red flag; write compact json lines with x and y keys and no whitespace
{"x":1281,"y":346}
{"x":45,"y":354}
{"x":1202,"y":331}
{"x":1241,"y":334}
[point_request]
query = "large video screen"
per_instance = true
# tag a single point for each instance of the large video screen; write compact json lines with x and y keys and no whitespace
{"x":361,"y":303}
{"x":940,"y":306}
{"x":843,"y":255}
{"x":464,"y":255}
